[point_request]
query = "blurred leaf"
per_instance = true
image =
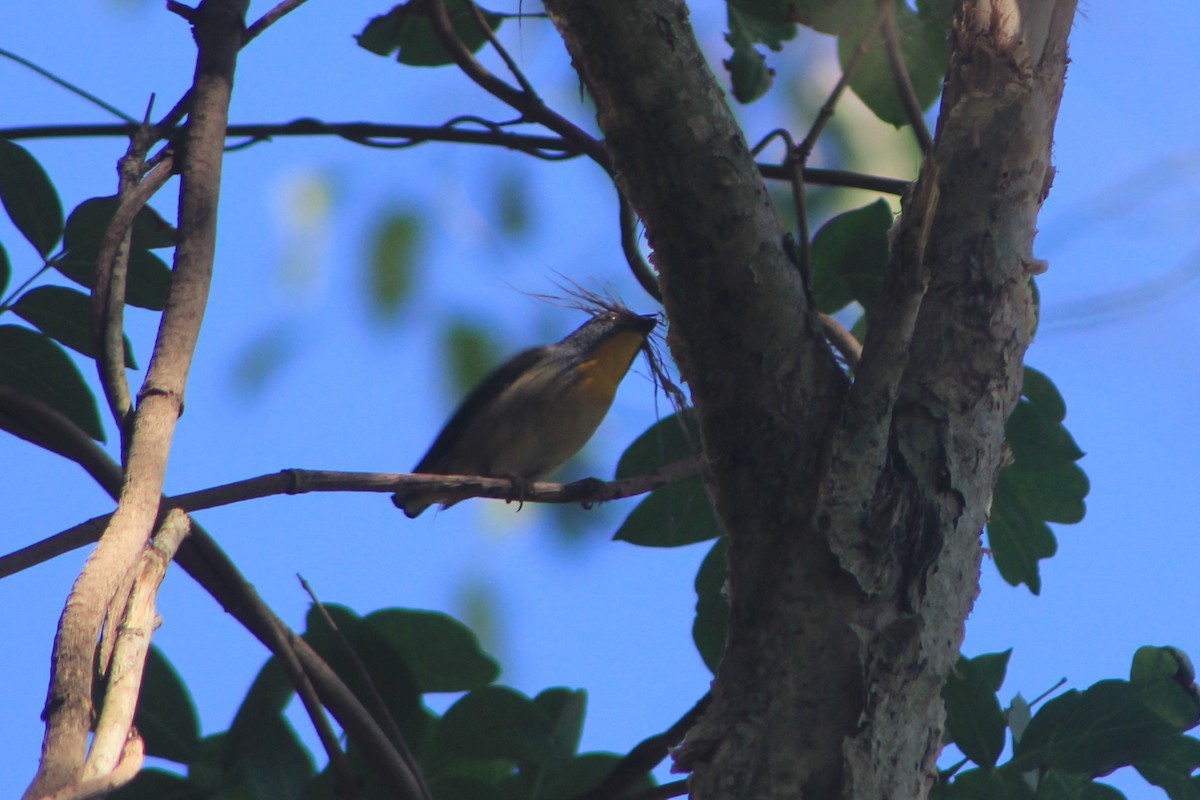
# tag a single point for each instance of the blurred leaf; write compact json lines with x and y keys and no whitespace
{"x":711,"y":625}
{"x":497,"y":722}
{"x":29,"y":198}
{"x":833,"y":16}
{"x":262,"y":356}
{"x":407,"y":28}
{"x":442,"y":653}
{"x":393,"y":249}
{"x":30,"y":362}
{"x":87,"y":223}
{"x":1093,"y":732}
{"x":147,"y":279}
{"x":849,"y":258}
{"x":924,"y":43}
{"x":1043,"y":484}
{"x":973,"y":714}
{"x":470,"y":354}
{"x":512,"y":200}
{"x":166,"y":717}
{"x":581,"y":774}
{"x":64,"y":315}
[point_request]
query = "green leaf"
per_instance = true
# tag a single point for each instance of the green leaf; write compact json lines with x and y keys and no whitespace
{"x":156,"y":784}
{"x":711,"y":625}
{"x":497,"y":722}
{"x":849,"y":258}
{"x":30,"y":362}
{"x":664,"y":442}
{"x":1043,"y":484}
{"x":64,"y":315}
{"x":442,"y":653}
{"x":87,"y":223}
{"x":973,"y":714}
{"x":393,"y":249}
{"x":470,"y":354}
{"x":754,"y":22}
{"x":1093,"y":732}
{"x":833,"y":16}
{"x":924,"y":43}
{"x":1172,"y":768}
{"x":987,"y":784}
{"x":407,"y":29}
{"x":991,"y":668}
{"x":1167,"y":682}
{"x":674,"y":515}
{"x":147,"y":279}
{"x":166,"y":717}
{"x":580,"y":775}
{"x":29,"y":198}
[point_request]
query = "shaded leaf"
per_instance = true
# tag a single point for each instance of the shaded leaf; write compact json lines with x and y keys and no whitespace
{"x":64,"y":315}
{"x":30,"y":362}
{"x":1167,"y":682}
{"x":147,"y":279}
{"x":711,"y":625}
{"x":973,"y":715}
{"x":157,"y":784}
{"x":924,"y":43}
{"x":393,"y":248}
{"x":86,"y":225}
{"x":1172,"y":767}
{"x":663,"y":443}
{"x":442,"y":653}
{"x":565,"y":708}
{"x":671,"y":516}
{"x":985,"y":784}
{"x":5,"y":269}
{"x":497,"y":722}
{"x":29,"y":198}
{"x":166,"y":717}
{"x":407,"y":29}
{"x":849,"y":258}
{"x":264,"y":758}
{"x":1093,"y":732}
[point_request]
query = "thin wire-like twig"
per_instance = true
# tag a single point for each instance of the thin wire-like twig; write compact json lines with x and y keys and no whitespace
{"x":902,"y":79}
{"x":70,"y":87}
{"x":270,"y":18}
{"x":633,"y":254}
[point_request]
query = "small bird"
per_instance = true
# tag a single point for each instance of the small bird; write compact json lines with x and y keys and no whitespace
{"x":528,"y":417}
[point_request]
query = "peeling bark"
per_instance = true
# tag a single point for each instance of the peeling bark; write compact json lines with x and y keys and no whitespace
{"x":853,"y":513}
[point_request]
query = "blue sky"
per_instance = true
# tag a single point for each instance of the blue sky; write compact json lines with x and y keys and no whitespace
{"x":1118,"y":336}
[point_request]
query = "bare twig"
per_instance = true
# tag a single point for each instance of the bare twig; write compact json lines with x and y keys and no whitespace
{"x":852,"y":65}
{"x":490,"y":35}
{"x":842,"y":339}
{"x":647,"y":755}
{"x":295,"y":481}
{"x":901,"y":78}
{"x":270,"y":18}
{"x":633,"y":254}
{"x":529,"y":105}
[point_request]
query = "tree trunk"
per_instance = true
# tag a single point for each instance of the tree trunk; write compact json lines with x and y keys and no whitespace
{"x":853,"y":512}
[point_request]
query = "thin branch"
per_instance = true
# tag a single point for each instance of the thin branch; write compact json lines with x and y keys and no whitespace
{"x":842,"y":339}
{"x":270,"y":18}
{"x":852,"y":65}
{"x":530,"y":106}
{"x":660,"y":792}
{"x":633,"y":254}
{"x":647,"y":755}
{"x":900,"y":76}
{"x":296,"y":481}
{"x":70,"y":87}
{"x":490,"y":35}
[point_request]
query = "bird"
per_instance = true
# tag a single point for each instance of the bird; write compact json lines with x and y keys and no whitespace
{"x":536,"y":410}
